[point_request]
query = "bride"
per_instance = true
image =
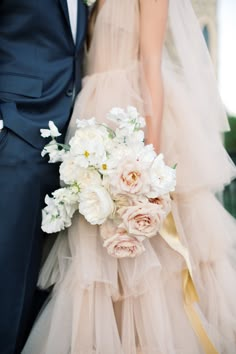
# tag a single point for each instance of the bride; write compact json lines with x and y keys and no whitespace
{"x":149,"y":54}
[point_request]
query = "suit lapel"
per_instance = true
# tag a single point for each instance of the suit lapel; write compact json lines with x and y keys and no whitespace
{"x":82,"y":17}
{"x":81,"y":21}
{"x":64,"y":8}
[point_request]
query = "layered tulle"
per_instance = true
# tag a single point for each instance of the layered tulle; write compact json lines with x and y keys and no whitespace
{"x":101,"y":305}
{"x":104,"y":305}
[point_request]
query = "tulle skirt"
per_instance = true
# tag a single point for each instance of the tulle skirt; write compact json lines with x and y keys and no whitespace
{"x":101,"y":305}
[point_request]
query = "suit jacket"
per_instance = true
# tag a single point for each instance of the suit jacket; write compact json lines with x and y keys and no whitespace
{"x":40,"y":65}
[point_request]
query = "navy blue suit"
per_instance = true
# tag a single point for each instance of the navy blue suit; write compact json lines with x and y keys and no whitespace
{"x":40,"y":65}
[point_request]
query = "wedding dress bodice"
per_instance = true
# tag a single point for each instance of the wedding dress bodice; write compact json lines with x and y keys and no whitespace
{"x":116,"y":44}
{"x":115,"y":78}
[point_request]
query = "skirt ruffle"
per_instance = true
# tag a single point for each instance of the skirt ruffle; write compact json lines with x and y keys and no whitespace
{"x":107,"y":306}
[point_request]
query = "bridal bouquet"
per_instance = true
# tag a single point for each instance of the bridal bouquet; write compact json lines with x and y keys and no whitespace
{"x":113,"y":179}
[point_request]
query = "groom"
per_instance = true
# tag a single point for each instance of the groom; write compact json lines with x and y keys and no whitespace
{"x":41,"y":49}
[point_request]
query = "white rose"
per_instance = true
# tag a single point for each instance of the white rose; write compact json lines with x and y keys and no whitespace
{"x":95,"y":204}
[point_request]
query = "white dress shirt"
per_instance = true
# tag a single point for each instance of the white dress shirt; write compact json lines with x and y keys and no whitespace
{"x":73,"y":9}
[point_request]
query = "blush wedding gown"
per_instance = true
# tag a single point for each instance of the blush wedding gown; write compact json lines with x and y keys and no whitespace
{"x":101,"y":305}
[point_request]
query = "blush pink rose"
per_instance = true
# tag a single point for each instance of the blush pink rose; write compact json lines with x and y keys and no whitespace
{"x":130,"y":178}
{"x":121,"y":245}
{"x":142,"y":220}
{"x":164,"y":201}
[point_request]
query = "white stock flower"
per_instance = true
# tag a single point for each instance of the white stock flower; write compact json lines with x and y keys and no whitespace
{"x":68,"y":197}
{"x":57,"y":214}
{"x":55,"y":154}
{"x":52,"y":131}
{"x":163,"y":178}
{"x":52,"y":223}
{"x":136,"y":117}
{"x":136,"y":138}
{"x":83,"y":123}
{"x":128,"y":121}
{"x":95,"y":204}
{"x":117,"y":115}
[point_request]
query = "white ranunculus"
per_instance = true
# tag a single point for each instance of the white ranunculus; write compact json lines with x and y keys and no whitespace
{"x":71,"y":172}
{"x":52,"y":131}
{"x":95,"y":204}
{"x":163,"y":178}
{"x":107,"y":166}
{"x":87,"y":146}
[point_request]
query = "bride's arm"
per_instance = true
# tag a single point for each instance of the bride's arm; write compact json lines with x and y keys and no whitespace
{"x":153,"y":19}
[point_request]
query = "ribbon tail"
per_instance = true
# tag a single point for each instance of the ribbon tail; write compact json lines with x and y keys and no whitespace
{"x":170,"y":236}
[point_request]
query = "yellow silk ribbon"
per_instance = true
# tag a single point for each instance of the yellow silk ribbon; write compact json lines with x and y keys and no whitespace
{"x":170,"y":236}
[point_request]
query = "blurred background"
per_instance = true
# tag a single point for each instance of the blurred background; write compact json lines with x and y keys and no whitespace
{"x":217,"y":20}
